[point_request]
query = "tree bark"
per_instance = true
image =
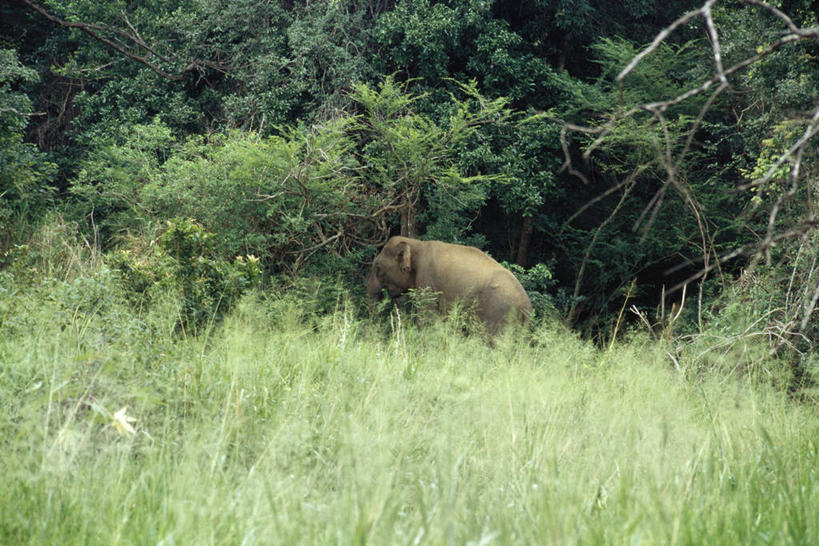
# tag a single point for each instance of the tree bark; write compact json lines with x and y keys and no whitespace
{"x":525,"y":238}
{"x":404,"y":220}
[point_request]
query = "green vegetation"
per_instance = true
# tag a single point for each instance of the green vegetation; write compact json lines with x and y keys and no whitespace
{"x":191,"y":195}
{"x":281,"y":426}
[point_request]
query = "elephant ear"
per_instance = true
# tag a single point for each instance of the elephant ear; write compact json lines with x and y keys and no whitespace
{"x":404,"y":256}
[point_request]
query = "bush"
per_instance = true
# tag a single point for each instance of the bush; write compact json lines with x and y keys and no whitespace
{"x":54,"y":250}
{"x":761,"y":323}
{"x":25,"y":173}
{"x":536,"y":281}
{"x":183,"y":262}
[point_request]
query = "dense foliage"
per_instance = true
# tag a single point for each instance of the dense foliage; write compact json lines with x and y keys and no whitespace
{"x":302,"y":134}
{"x":191,"y":195}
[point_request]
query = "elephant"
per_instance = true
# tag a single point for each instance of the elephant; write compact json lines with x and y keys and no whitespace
{"x":454,"y":273}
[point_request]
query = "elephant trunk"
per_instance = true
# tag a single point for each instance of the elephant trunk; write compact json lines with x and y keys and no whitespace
{"x":374,"y":287}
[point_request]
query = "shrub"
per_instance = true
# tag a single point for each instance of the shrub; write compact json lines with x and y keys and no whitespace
{"x":762,"y":322}
{"x":25,"y":173}
{"x":536,"y":281}
{"x":182,"y":261}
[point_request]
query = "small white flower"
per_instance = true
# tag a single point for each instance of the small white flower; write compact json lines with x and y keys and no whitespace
{"x":122,"y":422}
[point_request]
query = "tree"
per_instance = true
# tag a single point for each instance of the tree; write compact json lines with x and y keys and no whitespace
{"x":24,"y":174}
{"x":411,"y":158}
{"x":770,"y":170}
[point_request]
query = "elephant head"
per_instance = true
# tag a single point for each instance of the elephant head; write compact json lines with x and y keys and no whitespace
{"x":392,"y":269}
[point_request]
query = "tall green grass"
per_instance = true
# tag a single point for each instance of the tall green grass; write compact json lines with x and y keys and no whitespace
{"x":280,"y":427}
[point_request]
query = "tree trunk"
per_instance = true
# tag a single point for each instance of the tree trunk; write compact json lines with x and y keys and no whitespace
{"x":408,"y":217}
{"x":525,"y":237}
{"x":404,"y":220}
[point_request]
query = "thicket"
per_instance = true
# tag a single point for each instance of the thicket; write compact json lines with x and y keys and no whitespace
{"x":202,"y":148}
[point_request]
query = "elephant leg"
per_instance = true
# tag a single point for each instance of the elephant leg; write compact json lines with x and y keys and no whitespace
{"x":495,"y":311}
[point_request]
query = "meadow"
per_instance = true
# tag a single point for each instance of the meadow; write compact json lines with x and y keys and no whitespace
{"x":278,"y":426}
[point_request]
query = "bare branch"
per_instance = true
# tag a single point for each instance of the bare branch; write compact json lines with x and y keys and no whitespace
{"x":19,"y":113}
{"x":712,"y":34}
{"x":796,"y":149}
{"x":672,"y":164}
{"x":747,"y":250}
{"x":803,"y":32}
{"x":665,"y":33}
{"x":587,"y":255}
{"x":809,"y":310}
{"x":664,"y":105}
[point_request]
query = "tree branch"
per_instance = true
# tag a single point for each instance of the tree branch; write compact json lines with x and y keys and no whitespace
{"x":794,"y":153}
{"x":123,"y":39}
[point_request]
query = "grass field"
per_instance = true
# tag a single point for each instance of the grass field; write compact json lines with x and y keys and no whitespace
{"x":274,"y":427}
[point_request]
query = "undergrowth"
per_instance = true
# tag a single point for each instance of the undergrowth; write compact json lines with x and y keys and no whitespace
{"x":281,"y":425}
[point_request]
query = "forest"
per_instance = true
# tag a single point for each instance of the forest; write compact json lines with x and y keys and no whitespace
{"x":192,"y":194}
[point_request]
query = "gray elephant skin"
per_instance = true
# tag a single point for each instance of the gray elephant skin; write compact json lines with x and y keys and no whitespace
{"x":455,"y":273}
